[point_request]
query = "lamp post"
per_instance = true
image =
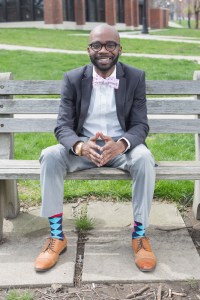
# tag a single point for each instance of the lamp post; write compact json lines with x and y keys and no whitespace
{"x":144,"y":18}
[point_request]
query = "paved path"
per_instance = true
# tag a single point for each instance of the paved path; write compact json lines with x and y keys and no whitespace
{"x":108,"y":255}
{"x":67,"y":25}
{"x":177,"y":39}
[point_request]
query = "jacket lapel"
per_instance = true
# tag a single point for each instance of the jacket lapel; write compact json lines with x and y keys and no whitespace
{"x":120,"y":95}
{"x":86,"y":89}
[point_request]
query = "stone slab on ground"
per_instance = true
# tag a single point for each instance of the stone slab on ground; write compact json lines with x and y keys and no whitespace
{"x":108,"y":255}
{"x":109,"y":258}
{"x":120,"y":214}
{"x":24,"y":238}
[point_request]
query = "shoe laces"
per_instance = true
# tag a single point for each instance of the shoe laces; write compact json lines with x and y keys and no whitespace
{"x":141,"y":245}
{"x":50,"y":245}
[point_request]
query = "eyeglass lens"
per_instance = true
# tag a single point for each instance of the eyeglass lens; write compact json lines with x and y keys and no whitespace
{"x":110,"y":46}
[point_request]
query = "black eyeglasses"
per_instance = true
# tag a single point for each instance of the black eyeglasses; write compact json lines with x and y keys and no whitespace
{"x":97,"y":46}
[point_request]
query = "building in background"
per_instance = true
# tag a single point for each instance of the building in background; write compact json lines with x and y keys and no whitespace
{"x":84,"y":12}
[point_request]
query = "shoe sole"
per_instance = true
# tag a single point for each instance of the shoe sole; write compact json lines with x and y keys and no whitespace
{"x":44,"y":270}
{"x":146,"y":270}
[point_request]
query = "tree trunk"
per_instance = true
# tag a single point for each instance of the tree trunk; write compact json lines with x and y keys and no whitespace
{"x":197,"y":11}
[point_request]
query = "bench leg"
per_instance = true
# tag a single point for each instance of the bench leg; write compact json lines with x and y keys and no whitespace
{"x":9,"y":203}
{"x":12,"y":205}
{"x":196,"y":200}
{"x":2,"y":199}
{"x":10,"y":195}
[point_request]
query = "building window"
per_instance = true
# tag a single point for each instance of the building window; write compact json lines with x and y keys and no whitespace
{"x":31,"y":10}
{"x":12,"y":10}
{"x":26,"y":10}
{"x":95,"y":10}
{"x":38,"y":6}
{"x":120,"y":11}
{"x":68,"y":10}
{"x":2,"y":11}
{"x":21,"y":10}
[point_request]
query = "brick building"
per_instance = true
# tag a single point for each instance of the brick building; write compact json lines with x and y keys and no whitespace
{"x":82,"y":12}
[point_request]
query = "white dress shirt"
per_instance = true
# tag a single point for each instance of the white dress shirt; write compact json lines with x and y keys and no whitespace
{"x":102,"y":113}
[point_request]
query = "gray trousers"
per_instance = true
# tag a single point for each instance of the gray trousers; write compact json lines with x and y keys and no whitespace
{"x":56,"y":162}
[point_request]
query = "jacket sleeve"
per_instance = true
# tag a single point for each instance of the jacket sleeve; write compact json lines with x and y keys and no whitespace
{"x":66,"y":120}
{"x":137,"y":122}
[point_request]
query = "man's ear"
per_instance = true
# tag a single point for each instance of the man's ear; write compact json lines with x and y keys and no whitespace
{"x":120,"y":50}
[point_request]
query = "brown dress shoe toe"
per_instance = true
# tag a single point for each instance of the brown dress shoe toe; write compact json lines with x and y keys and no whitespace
{"x":50,"y":254}
{"x":145,"y":259}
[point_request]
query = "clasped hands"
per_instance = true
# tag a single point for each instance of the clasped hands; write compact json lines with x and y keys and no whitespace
{"x":102,"y":155}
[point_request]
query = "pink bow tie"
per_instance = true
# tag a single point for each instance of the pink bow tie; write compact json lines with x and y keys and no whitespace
{"x":110,"y":81}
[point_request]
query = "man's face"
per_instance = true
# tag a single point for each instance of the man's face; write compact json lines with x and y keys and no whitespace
{"x":104,"y":50}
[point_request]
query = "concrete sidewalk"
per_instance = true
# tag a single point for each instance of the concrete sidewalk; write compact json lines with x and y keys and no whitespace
{"x":107,"y":255}
{"x":70,"y":25}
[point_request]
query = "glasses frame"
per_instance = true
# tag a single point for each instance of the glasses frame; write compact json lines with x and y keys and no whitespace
{"x":103,"y":45}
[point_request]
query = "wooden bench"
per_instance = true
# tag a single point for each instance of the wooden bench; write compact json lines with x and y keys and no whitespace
{"x":11,"y":170}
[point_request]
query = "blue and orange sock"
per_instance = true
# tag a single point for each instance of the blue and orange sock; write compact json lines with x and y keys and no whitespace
{"x":56,"y":226}
{"x":138,"y":230}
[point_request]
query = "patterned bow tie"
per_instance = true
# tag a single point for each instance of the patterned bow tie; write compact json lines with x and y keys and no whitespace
{"x":110,"y":81}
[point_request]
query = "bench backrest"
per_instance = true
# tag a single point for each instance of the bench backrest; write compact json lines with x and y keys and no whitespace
{"x":157,"y":107}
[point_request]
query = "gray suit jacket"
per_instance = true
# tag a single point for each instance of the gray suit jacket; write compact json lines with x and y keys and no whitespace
{"x":130,"y":102}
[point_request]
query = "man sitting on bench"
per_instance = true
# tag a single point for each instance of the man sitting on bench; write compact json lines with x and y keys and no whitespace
{"x":102,"y":121}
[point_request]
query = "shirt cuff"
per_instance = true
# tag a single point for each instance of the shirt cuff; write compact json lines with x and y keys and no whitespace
{"x":129,"y":145}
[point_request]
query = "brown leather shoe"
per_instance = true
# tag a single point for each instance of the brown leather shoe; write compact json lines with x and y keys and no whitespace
{"x":50,"y":254}
{"x":145,"y":259}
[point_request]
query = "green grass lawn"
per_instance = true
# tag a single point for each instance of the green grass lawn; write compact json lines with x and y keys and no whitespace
{"x":64,"y":39}
{"x":182,"y":32}
{"x":159,"y":47}
{"x":31,"y":65}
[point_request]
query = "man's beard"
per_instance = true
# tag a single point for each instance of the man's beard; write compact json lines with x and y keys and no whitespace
{"x":104,"y":69}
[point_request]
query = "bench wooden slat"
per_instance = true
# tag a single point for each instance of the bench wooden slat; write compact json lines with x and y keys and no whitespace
{"x":27,"y":125}
{"x":29,"y":106}
{"x":174,"y":126}
{"x":26,"y":164}
{"x":48,"y":125}
{"x":179,"y":170}
{"x":173,"y":107}
{"x":173,"y":87}
{"x":50,"y":87}
{"x":30,"y":87}
{"x":50,"y":106}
